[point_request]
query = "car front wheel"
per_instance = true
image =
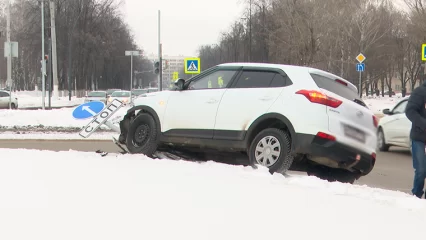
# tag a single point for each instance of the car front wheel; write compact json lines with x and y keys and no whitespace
{"x":271,"y":148}
{"x":142,"y":136}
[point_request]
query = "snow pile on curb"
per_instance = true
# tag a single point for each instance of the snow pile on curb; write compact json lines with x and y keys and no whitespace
{"x":75,"y":195}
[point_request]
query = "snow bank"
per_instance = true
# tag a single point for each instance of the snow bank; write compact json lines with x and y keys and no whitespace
{"x":73,"y":195}
{"x":48,"y":118}
{"x":34,"y":99}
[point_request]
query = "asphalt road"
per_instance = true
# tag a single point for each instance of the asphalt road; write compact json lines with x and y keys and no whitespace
{"x":393,"y":169}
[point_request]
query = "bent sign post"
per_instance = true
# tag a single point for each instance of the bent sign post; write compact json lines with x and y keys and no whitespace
{"x":102,"y":118}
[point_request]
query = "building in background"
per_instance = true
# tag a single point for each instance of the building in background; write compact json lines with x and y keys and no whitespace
{"x":170,"y":64}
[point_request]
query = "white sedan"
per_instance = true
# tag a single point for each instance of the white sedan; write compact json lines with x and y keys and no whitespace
{"x":4,"y":100}
{"x":121,"y":95}
{"x":394,"y":128}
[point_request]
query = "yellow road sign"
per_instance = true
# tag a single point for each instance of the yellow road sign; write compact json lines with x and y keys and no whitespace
{"x":360,"y":58}
{"x":175,"y":75}
{"x":192,"y":65}
{"x":424,"y":52}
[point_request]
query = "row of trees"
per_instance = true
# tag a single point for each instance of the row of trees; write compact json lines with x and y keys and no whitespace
{"x":329,"y":34}
{"x":91,"y":41}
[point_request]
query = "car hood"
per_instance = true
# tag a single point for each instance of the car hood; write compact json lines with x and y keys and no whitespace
{"x":160,"y":95}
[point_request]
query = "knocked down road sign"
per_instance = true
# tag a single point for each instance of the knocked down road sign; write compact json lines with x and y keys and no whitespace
{"x":101,"y":118}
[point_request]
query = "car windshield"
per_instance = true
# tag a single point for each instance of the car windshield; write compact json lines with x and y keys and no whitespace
{"x":139,"y":91}
{"x":120,"y":94}
{"x":96,"y":94}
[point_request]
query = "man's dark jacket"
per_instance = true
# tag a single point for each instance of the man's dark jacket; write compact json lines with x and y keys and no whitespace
{"x":416,"y":113}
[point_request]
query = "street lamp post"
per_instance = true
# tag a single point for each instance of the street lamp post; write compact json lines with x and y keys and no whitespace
{"x":9,"y":56}
{"x":43,"y":63}
{"x":131,"y":54}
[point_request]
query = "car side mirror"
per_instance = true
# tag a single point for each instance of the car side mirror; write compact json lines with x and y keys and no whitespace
{"x":180,"y":84}
{"x":387,"y":111}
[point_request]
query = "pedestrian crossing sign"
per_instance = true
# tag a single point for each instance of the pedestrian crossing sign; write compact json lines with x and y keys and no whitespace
{"x":192,"y":65}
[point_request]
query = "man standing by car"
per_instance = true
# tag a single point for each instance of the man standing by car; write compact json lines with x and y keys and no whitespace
{"x":416,"y":113}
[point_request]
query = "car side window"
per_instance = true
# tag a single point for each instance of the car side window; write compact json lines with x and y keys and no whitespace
{"x":215,"y":80}
{"x":279,"y":81}
{"x":400,"y":108}
{"x":4,"y":94}
{"x":255,"y":79}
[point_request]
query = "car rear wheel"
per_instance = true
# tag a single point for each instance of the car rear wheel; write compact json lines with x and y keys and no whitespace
{"x":142,"y":136}
{"x":271,"y":148}
{"x":381,"y":143}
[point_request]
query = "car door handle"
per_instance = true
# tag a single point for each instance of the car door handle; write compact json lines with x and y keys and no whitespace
{"x":212,"y":101}
{"x":266,"y":98}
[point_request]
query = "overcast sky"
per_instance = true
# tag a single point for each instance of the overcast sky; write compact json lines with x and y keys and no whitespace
{"x":185,"y":25}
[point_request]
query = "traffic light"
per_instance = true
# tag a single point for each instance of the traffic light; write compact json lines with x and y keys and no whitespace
{"x":167,"y":64}
{"x":157,"y":67}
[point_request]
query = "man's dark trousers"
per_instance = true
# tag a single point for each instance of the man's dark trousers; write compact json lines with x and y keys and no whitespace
{"x":419,"y":164}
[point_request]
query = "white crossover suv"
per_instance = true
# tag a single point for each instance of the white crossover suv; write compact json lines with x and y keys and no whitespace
{"x":282,"y":117}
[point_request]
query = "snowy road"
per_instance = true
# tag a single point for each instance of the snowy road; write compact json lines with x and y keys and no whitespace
{"x":393,"y":170}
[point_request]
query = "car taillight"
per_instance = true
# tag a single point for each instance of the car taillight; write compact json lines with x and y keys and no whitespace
{"x":326,"y":136}
{"x":375,"y":121}
{"x":320,"y":98}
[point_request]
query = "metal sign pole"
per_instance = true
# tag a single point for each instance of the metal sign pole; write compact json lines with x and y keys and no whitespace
{"x":9,"y":57}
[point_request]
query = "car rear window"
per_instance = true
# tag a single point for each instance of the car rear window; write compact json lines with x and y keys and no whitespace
{"x":334,"y":86}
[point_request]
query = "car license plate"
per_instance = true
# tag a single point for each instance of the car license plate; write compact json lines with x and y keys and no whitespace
{"x":354,"y":133}
{"x":101,"y":118}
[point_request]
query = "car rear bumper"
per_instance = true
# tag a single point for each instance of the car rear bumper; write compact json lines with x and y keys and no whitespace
{"x":329,"y":151}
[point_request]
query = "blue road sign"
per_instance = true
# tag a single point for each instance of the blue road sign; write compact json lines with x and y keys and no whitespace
{"x":192,"y":65}
{"x":88,"y":110}
{"x":360,"y":67}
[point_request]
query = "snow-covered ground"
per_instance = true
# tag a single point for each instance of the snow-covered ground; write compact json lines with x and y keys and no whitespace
{"x":48,"y":118}
{"x":74,"y":195}
{"x":34,"y":99}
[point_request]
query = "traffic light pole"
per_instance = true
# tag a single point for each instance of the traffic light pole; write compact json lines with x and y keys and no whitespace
{"x":9,"y":56}
{"x":131,"y":75}
{"x":49,"y":73}
{"x":160,"y":87}
{"x":43,"y":70}
{"x":160,"y":74}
